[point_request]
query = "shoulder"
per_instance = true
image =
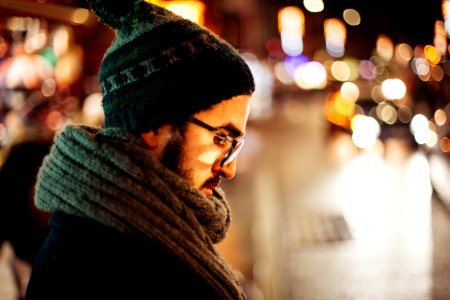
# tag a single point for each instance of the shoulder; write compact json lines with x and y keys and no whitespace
{"x":83,"y":255}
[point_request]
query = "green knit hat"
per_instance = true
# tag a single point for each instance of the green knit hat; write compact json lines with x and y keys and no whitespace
{"x":162,"y":68}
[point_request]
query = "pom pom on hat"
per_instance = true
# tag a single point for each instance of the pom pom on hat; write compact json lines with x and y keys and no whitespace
{"x":162,"y":69}
{"x":113,"y":12}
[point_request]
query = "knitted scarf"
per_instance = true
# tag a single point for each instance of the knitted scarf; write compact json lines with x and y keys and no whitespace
{"x":110,"y":176}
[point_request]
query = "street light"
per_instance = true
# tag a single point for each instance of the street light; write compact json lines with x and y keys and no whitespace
{"x":189,"y":9}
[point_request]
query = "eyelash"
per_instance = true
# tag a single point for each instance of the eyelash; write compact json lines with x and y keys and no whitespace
{"x":220,"y":141}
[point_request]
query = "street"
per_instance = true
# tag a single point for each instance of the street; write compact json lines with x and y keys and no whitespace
{"x":316,"y":218}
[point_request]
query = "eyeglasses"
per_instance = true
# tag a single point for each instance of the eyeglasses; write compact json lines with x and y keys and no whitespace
{"x":236,"y":144}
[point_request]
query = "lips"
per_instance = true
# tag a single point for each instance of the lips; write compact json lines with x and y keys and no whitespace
{"x":211,"y":183}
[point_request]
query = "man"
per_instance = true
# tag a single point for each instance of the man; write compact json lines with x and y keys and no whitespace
{"x":137,"y":205}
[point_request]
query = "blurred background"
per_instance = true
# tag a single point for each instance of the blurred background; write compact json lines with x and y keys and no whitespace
{"x":342,"y":189}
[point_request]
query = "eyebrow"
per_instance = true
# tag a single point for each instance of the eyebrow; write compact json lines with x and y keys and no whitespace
{"x":233,"y":130}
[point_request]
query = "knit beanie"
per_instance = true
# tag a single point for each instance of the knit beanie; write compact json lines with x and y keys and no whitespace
{"x":161,"y":68}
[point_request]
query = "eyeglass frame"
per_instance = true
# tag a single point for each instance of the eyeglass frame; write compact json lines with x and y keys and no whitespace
{"x":236,"y":143}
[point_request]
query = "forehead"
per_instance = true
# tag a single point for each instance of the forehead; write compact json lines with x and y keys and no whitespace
{"x":233,"y":112}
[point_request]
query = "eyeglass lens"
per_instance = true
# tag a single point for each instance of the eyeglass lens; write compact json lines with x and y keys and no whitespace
{"x":232,"y":153}
{"x":236,"y":144}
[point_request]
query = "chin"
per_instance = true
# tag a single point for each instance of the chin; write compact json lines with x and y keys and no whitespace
{"x":207,"y":192}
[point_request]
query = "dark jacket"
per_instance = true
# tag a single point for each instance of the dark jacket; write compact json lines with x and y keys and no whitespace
{"x":83,"y":259}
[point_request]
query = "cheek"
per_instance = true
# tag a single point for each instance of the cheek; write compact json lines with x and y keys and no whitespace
{"x":198,"y":162}
{"x":200,"y":158}
{"x":208,"y":157}
{"x":200,"y":152}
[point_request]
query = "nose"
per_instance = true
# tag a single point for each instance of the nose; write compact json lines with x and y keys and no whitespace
{"x":226,"y":171}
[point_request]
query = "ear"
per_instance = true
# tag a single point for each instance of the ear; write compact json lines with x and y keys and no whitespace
{"x":157,"y":138}
{"x":151,"y":138}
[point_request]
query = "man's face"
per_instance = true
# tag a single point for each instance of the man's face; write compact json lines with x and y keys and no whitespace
{"x":197,"y":154}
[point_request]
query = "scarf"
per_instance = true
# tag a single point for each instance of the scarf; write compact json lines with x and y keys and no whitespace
{"x":110,"y":176}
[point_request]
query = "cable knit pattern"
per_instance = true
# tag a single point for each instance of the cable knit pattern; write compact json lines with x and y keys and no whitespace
{"x":110,"y":176}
